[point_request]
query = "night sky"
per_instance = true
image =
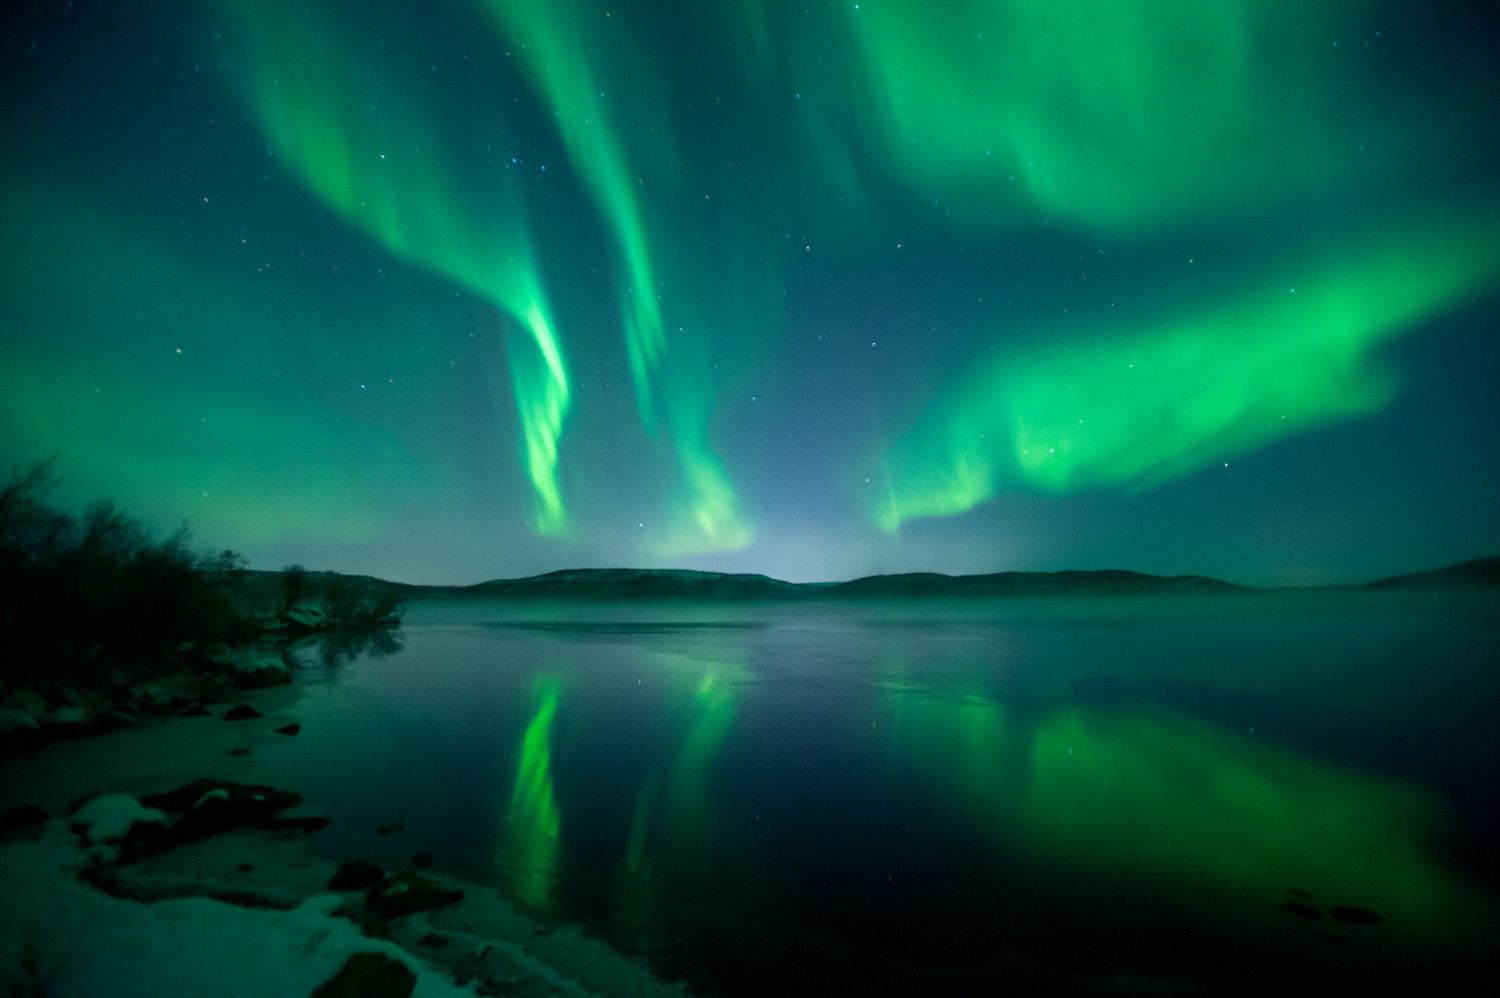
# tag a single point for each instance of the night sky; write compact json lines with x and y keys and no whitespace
{"x":449,"y":291}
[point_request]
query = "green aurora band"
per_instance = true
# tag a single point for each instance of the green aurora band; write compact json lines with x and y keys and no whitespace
{"x":1242,"y":126}
{"x":571,"y":51}
{"x":1115,"y":117}
{"x":353,"y":129}
{"x":1145,"y":406}
{"x":1125,"y":121}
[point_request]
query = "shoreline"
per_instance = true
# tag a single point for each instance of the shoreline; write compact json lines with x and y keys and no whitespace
{"x":251,"y":903}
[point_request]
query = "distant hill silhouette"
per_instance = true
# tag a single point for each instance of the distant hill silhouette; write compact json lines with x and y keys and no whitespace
{"x":665,"y":584}
{"x":1480,"y":573}
{"x":922,"y":585}
{"x":610,"y":584}
{"x":636,"y":584}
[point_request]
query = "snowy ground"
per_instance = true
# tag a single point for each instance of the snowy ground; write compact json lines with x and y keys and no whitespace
{"x":62,"y":937}
{"x":244,"y":913}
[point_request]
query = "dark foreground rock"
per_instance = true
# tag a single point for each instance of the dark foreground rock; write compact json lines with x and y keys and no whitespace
{"x":22,"y":816}
{"x":210,"y":807}
{"x":356,"y":875}
{"x":242,"y":712}
{"x":408,"y":893}
{"x":1351,"y":915}
{"x":369,"y":975}
{"x":293,"y":825}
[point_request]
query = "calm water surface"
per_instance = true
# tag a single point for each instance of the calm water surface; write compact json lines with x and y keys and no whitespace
{"x":1126,"y":794}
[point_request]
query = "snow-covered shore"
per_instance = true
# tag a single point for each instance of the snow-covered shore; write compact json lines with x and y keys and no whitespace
{"x":247,"y":911}
{"x":60,"y":936}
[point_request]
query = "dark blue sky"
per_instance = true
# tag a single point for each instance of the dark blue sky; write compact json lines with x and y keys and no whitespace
{"x":482,"y":289}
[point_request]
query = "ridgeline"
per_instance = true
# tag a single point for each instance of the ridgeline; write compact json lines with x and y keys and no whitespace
{"x":628,"y":584}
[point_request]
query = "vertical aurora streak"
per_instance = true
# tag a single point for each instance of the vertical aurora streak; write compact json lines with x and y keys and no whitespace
{"x":551,"y":39}
{"x":354,"y":129}
{"x":569,"y":50}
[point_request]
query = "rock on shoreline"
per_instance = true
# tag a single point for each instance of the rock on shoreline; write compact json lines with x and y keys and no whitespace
{"x":39,"y":713}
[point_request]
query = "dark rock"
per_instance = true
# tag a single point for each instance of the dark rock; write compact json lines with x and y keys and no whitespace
{"x":356,"y":875}
{"x":394,"y":826}
{"x":369,"y":975}
{"x":1350,"y":915}
{"x":422,"y":860}
{"x":293,"y":824}
{"x":22,"y":739}
{"x":408,"y":893}
{"x":242,"y":712}
{"x":189,"y":794}
{"x":22,"y":816}
{"x":239,"y":751}
{"x":183,"y":797}
{"x":146,"y":838}
{"x":290,"y":729}
{"x":434,"y":940}
{"x":1299,"y":908}
{"x":210,"y":807}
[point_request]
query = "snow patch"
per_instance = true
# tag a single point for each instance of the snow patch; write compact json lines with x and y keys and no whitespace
{"x":12,"y":719}
{"x":109,"y":817}
{"x":220,"y":794}
{"x":70,"y":715}
{"x":60,"y":934}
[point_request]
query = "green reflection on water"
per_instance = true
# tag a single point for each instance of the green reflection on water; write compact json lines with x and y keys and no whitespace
{"x":1170,"y":797}
{"x":532,"y":822}
{"x":1219,"y":823}
{"x":676,"y":804}
{"x":674,"y":825}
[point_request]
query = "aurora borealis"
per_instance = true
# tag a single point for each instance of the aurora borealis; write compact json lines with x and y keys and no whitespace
{"x":483,"y":288}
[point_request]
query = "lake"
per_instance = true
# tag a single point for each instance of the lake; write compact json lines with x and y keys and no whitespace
{"x":1210,"y":794}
